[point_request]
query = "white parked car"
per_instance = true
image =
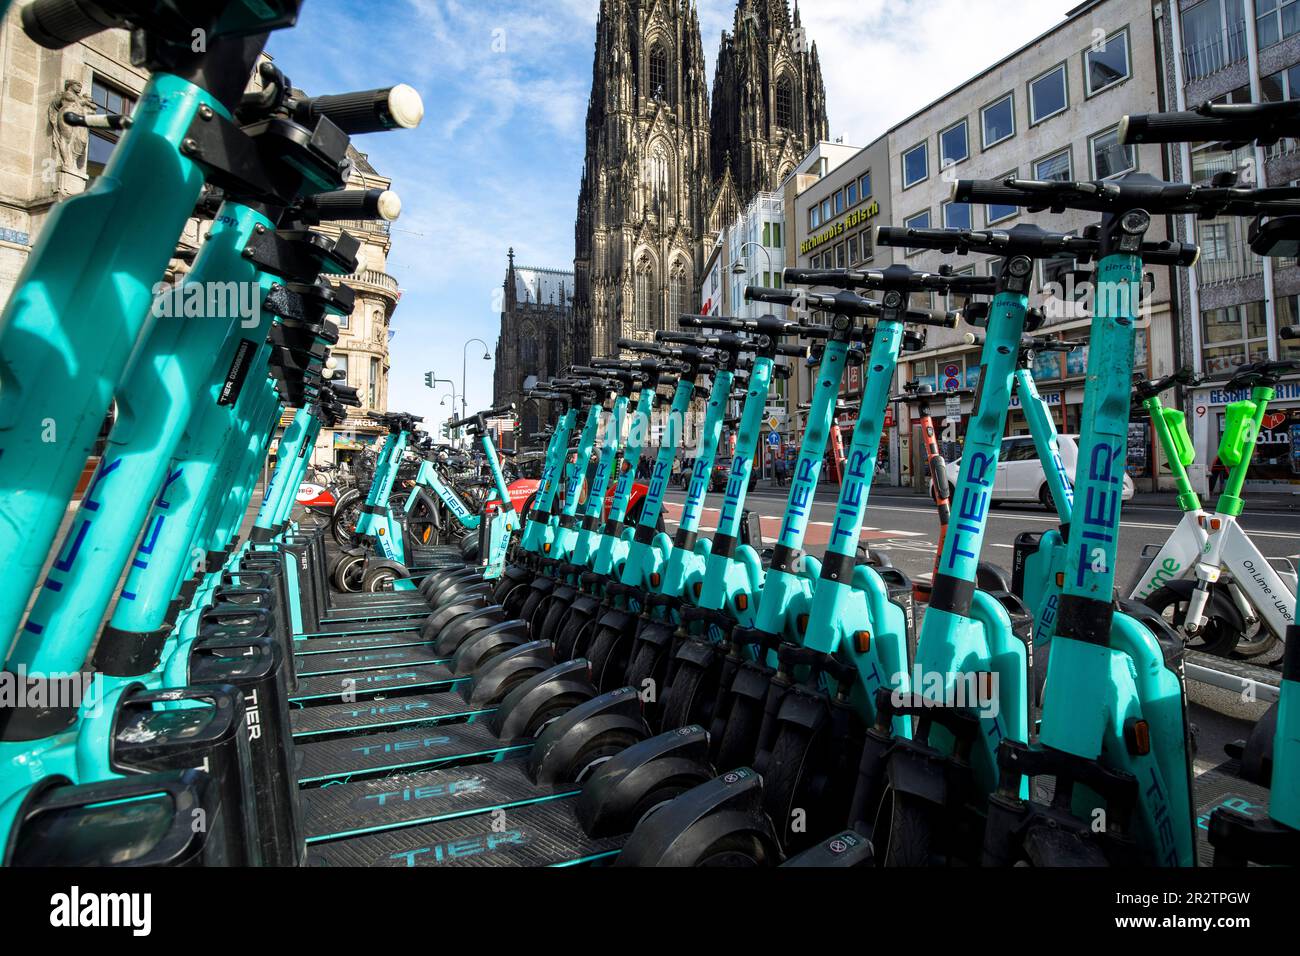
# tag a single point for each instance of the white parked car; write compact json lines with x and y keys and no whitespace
{"x":1020,"y":474}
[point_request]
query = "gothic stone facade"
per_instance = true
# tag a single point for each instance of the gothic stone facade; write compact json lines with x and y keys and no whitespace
{"x":536,"y":338}
{"x":656,"y":159}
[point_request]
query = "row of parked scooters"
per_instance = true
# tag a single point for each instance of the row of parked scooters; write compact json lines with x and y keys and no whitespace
{"x":587,"y":688}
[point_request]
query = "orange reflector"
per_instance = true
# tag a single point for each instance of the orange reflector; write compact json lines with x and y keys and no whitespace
{"x":655,"y":579}
{"x":802,"y":624}
{"x":1215,"y":524}
{"x":742,"y":601}
{"x":862,"y":641}
{"x":1060,"y":579}
{"x":1137,"y":736}
{"x":698,"y":588}
{"x":547,"y":547}
{"x":381,"y":530}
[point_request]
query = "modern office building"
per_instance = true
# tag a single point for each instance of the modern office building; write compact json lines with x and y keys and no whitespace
{"x":1049,"y":110}
{"x":1233,"y":302}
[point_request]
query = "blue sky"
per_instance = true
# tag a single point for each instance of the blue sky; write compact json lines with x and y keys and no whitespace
{"x":497,"y":160}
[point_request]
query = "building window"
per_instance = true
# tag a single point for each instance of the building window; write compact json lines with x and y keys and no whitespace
{"x":998,"y":121}
{"x":864,"y":186}
{"x":784,"y":103}
{"x":954,"y":145}
{"x":678,"y":295}
{"x":814,"y":217}
{"x":1214,"y":36}
{"x":956,"y":215}
{"x":839,"y":201}
{"x":1233,"y":336}
{"x":1109,"y":157}
{"x":645,"y":304}
{"x":916,"y":165}
{"x":1048,"y":95}
{"x":840,"y":261}
{"x":1107,"y":63}
{"x":994,"y":212}
{"x":374,"y":384}
{"x":853,"y":249}
{"x":1276,"y":20}
{"x":1055,"y":274}
{"x":344,"y":321}
{"x":340,"y":367}
{"x":1057,"y":166}
{"x":660,"y":88}
{"x":920,"y":221}
{"x":954,"y":301}
{"x":826,"y":210}
{"x":864,"y":245}
{"x":101,"y":142}
{"x":851,"y":193}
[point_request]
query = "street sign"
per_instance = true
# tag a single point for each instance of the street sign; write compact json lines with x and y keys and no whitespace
{"x":773,"y":423}
{"x":775,"y":412}
{"x":773,"y":439}
{"x":952,"y":408}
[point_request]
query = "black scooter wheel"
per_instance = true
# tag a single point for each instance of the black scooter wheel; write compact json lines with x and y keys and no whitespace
{"x":575,"y":637}
{"x":607,"y":654}
{"x":904,"y":833}
{"x":648,"y":671}
{"x":736,"y":745}
{"x":552,"y":623}
{"x":514,"y":600}
{"x":680,"y":699}
{"x":348,"y":572}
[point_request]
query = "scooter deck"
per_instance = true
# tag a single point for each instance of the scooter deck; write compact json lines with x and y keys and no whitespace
{"x":390,"y":612}
{"x":381,"y":627}
{"x":1222,"y":787}
{"x":308,"y":723}
{"x":359,"y":684}
{"x":538,"y":834}
{"x":339,"y":603}
{"x":425,"y":796}
{"x":366,"y":659}
{"x":400,"y":751}
{"x":310,"y":646}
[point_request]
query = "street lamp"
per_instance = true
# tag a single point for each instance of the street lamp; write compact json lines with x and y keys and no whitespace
{"x":430,"y":380}
{"x":739,"y":268}
{"x":464,"y":361}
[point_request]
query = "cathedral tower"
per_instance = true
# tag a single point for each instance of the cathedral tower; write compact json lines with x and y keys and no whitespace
{"x":769,"y":102}
{"x":645,"y":180}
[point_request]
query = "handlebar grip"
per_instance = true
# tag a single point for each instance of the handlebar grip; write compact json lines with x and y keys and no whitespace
{"x":366,"y":111}
{"x":1184,"y":127}
{"x":1289,"y":332}
{"x":354,"y":204}
{"x":838,"y":278}
{"x":939,"y":318}
{"x":347,"y":395}
{"x":722,"y":323}
{"x":55,"y":24}
{"x":989,"y":191}
{"x":919,"y":238}
{"x":756,"y":293}
{"x":792,"y":350}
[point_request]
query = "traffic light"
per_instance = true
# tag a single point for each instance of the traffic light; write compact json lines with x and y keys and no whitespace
{"x":428,"y":380}
{"x":446,"y":430}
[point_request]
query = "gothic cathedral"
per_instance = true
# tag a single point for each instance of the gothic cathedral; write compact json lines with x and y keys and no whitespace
{"x":657,"y":157}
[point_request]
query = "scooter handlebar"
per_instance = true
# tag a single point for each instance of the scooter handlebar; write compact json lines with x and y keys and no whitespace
{"x":365,"y":111}
{"x":1289,"y":332}
{"x":55,"y":24}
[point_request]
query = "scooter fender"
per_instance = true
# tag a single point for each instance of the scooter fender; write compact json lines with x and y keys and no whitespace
{"x":487,"y":644}
{"x":919,"y":773}
{"x":460,"y":630}
{"x":519,"y":711}
{"x":440,"y":618}
{"x":560,"y":751}
{"x":626,"y":786}
{"x":506,"y":672}
{"x":617,"y":620}
{"x":885,"y":663}
{"x":678,"y":833}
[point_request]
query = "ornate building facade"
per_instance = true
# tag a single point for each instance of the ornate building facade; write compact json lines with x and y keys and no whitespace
{"x":659,"y":165}
{"x":44,"y":160}
{"x":536,"y":338}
